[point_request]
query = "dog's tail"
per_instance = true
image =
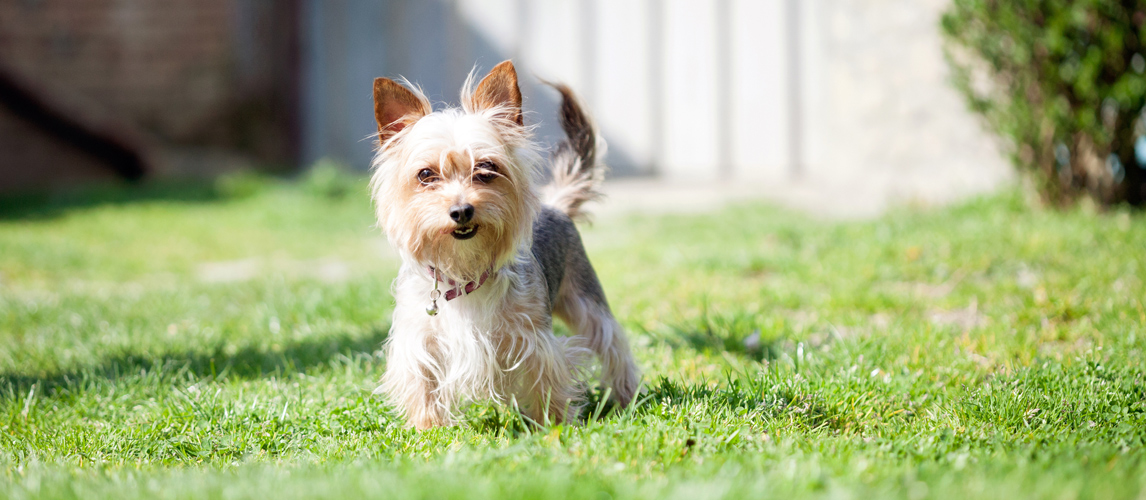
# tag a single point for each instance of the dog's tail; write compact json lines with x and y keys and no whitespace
{"x":578,"y":168}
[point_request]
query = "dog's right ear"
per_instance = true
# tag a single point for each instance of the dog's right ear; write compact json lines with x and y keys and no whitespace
{"x":395,"y":108}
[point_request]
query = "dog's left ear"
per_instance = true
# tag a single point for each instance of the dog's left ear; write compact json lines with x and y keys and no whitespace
{"x":499,"y":90}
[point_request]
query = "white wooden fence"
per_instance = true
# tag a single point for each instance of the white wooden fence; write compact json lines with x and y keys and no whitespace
{"x":685,"y":89}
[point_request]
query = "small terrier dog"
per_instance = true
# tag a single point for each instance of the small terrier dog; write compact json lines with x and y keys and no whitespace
{"x":487,"y":258}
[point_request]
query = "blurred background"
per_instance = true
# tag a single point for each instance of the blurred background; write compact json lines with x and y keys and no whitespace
{"x":833,"y":105}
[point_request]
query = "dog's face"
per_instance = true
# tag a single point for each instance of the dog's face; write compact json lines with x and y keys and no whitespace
{"x":453,"y":189}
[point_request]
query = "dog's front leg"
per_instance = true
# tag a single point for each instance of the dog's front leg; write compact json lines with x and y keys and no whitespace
{"x":413,"y":369}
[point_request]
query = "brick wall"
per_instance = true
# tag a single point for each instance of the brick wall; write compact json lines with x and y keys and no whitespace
{"x":53,"y":163}
{"x":182,"y":74}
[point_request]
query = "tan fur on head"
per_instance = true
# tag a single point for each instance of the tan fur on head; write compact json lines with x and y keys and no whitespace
{"x":451,"y":144}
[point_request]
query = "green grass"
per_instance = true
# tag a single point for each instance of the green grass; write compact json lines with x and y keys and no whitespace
{"x":205,"y":346}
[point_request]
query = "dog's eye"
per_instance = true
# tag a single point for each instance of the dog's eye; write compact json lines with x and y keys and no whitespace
{"x":427,"y":176}
{"x":485,"y":172}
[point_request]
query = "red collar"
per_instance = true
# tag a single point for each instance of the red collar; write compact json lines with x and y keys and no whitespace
{"x":458,"y":289}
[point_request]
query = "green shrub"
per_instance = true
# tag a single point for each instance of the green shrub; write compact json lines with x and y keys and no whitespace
{"x":1062,"y":82}
{"x":329,"y":179}
{"x":241,"y":184}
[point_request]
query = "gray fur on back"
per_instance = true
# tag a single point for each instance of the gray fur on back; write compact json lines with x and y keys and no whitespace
{"x":558,"y":250}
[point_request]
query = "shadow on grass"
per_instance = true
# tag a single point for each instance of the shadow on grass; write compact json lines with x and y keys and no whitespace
{"x":752,"y":344}
{"x":742,"y":334}
{"x":219,"y":363}
{"x":508,"y":421}
{"x":47,"y":205}
{"x":768,"y":399}
{"x":765,"y":398}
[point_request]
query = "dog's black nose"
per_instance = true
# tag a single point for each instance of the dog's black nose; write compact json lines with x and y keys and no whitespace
{"x":462,"y":213}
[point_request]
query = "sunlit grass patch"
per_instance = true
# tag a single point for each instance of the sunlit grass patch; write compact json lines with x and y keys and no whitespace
{"x":227,"y":346}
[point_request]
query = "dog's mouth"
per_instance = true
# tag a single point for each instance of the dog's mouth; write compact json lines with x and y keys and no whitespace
{"x":465,"y":232}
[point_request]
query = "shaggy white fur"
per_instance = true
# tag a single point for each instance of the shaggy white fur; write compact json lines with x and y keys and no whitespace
{"x":496,"y":342}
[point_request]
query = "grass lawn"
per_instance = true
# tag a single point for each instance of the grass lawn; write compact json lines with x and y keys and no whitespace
{"x":195,"y":346}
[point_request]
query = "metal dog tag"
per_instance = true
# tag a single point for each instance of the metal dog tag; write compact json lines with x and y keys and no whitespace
{"x":432,"y":310}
